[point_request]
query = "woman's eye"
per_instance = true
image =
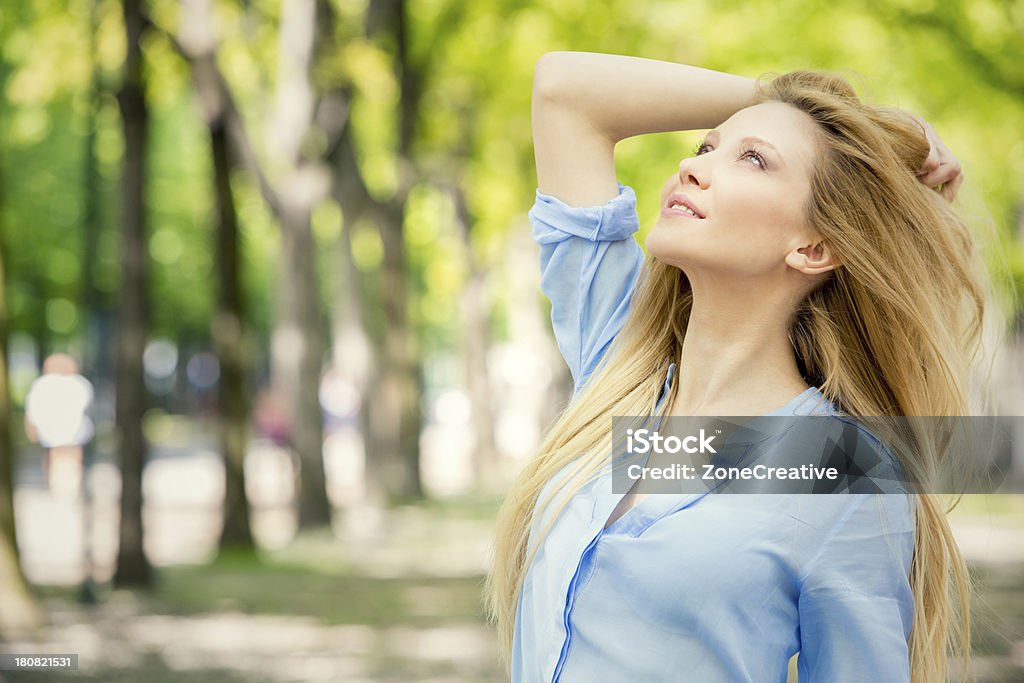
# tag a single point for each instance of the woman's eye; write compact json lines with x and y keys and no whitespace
{"x":703,"y":148}
{"x":754,"y":155}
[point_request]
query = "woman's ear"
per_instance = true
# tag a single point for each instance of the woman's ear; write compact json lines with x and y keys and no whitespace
{"x":812,"y":258}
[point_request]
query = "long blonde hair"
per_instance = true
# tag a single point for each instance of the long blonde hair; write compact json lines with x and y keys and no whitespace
{"x":893,"y":331}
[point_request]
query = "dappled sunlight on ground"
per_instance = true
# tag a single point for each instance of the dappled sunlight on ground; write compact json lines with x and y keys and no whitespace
{"x":401,"y":607}
{"x":382,"y":597}
{"x":121,"y":638}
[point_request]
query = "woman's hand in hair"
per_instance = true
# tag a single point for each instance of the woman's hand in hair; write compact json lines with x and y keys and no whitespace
{"x":941,"y":169}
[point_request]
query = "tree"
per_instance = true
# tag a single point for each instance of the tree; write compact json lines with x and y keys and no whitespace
{"x":18,"y":609}
{"x":229,"y":321}
{"x":296,"y":342}
{"x":133,"y":568}
{"x":396,"y":400}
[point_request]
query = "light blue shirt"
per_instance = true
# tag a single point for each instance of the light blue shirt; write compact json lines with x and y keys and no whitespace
{"x":697,"y":587}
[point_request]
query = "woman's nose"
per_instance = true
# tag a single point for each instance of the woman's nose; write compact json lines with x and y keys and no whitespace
{"x":692,"y":173}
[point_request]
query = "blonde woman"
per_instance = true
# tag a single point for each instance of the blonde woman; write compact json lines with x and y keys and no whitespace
{"x":806,"y":261}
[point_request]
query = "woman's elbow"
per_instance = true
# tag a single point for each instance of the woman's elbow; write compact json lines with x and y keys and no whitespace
{"x":548,"y":76}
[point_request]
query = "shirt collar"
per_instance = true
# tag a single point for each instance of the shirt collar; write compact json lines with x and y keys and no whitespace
{"x":815,"y":403}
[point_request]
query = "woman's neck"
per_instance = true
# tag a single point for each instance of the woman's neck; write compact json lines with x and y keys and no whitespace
{"x":736,"y":358}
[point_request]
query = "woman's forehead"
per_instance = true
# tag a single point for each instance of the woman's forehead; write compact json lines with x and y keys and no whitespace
{"x":791,"y":131}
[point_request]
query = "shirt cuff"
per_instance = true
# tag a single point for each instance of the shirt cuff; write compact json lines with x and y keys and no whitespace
{"x":616,"y":219}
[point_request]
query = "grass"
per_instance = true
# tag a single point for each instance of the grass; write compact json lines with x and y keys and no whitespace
{"x":287,"y":588}
{"x":1008,"y":507}
{"x":336,"y":582}
{"x":410,"y":607}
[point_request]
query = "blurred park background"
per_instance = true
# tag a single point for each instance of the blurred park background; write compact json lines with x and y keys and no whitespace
{"x":286,"y":242}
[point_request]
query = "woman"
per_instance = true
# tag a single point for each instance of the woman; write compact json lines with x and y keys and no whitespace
{"x":803,"y":256}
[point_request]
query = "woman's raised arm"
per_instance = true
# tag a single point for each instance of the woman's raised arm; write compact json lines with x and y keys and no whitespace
{"x":583,"y":220}
{"x":585,"y":102}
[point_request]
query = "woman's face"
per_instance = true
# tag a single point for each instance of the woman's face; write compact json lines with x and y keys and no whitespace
{"x":750,"y":193}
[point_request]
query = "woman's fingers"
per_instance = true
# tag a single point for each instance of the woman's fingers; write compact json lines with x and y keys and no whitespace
{"x":940,"y":169}
{"x":931,"y":164}
{"x":943,"y":173}
{"x":950,"y":188}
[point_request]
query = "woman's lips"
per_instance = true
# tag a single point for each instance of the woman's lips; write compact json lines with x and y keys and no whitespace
{"x":677,"y":204}
{"x":670,"y":213}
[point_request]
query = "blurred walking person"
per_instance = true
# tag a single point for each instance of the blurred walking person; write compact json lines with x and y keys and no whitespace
{"x":56,"y":417}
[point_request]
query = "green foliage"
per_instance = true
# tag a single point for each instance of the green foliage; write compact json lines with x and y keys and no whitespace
{"x":956,"y":63}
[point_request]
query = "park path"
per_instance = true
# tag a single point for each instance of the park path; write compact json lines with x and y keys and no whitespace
{"x":130,"y":637}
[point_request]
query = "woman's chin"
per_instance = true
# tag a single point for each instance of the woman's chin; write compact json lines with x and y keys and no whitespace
{"x":665,"y":244}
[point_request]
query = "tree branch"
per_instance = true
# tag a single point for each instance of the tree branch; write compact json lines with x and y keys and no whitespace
{"x":986,"y":67}
{"x":217,"y":100}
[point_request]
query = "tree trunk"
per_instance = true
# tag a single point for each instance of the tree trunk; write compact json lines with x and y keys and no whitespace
{"x":19,"y":611}
{"x":355,"y":352}
{"x":133,"y":568}
{"x":475,"y":343}
{"x":297,"y":344}
{"x":199,"y":45}
{"x":93,"y":302}
{"x":396,"y":408}
{"x":229,"y":339}
{"x":389,"y":387}
{"x":95,"y":361}
{"x":297,"y":351}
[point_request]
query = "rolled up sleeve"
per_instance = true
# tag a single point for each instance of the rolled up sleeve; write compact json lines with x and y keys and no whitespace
{"x":856,"y":606}
{"x":590,"y":263}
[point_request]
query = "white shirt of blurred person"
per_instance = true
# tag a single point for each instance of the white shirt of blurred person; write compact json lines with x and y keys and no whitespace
{"x":56,"y":416}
